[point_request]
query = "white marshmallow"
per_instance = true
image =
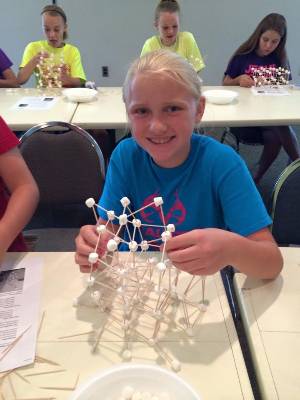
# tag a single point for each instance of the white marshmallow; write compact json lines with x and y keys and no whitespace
{"x":144,"y":245}
{"x":101,"y":228}
{"x":158,"y":201}
{"x":176,"y":366}
{"x":171,"y":227}
{"x":133,"y":245}
{"x":123,"y":219}
{"x":165,"y":236}
{"x":137,"y":223}
{"x":125,"y":201}
{"x":111,"y":215}
{"x":112,"y":245}
{"x":90,"y":202}
{"x":93,"y":258}
{"x":161,"y":266}
{"x":90,"y":281}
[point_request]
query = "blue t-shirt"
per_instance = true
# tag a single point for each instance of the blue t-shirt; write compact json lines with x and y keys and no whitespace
{"x":212,"y":188}
{"x":242,"y":64}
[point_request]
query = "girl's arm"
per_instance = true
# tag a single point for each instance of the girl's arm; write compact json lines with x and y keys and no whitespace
{"x":26,"y":71}
{"x":241,"y":80}
{"x":87,"y":240}
{"x":206,"y":251}
{"x":9,"y":79}
{"x":23,"y":200}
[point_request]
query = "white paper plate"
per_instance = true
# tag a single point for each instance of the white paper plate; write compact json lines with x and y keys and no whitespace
{"x":219,"y":96}
{"x":80,"y":95}
{"x":109,"y":384}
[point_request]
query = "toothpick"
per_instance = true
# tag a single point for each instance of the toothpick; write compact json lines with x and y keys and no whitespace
{"x":13,"y":344}
{"x":40,"y":359}
{"x":46,"y":372}
{"x":21,"y":377}
{"x":75,"y":334}
{"x":41,"y":323}
{"x":11,"y":386}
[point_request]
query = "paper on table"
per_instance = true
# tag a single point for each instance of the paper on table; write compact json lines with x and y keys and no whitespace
{"x":19,"y":311}
{"x":269,"y":91}
{"x":35,"y":103}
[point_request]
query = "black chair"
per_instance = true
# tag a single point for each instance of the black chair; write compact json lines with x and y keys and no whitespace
{"x":233,"y":139}
{"x":286,"y":206}
{"x":68,"y":166}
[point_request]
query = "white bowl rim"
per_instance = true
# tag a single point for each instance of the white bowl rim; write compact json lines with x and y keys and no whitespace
{"x":220,"y":93}
{"x":119,"y":367}
{"x":76,"y":91}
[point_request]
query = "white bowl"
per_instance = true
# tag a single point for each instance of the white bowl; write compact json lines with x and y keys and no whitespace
{"x":80,"y":95}
{"x":110,"y":383}
{"x":218,"y":96}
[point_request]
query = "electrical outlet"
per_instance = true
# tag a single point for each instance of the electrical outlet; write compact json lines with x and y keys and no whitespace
{"x":105,"y":71}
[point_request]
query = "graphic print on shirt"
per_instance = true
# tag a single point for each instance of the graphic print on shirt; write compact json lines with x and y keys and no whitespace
{"x":252,"y":67}
{"x":176,"y":215}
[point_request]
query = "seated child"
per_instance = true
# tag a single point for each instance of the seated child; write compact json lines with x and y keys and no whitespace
{"x":54,"y":62}
{"x":18,"y":193}
{"x":8,"y":78}
{"x":166,"y":21}
{"x":264,"y":48}
{"x":208,"y":193}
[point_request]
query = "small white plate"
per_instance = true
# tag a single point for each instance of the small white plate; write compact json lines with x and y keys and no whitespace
{"x":219,"y":96}
{"x":110,"y":383}
{"x":80,"y":95}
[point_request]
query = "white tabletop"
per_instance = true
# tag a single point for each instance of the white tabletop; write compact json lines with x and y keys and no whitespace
{"x":108,"y":110}
{"x":23,"y":118}
{"x":270,"y":312}
{"x":211,"y":362}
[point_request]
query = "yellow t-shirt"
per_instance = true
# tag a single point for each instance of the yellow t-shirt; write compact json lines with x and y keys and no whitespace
{"x":185,"y":45}
{"x":47,"y":73}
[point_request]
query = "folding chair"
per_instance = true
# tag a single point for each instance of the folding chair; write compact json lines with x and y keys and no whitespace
{"x":68,"y":166}
{"x":286,"y":206}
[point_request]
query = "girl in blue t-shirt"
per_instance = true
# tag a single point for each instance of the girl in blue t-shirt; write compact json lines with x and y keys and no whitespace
{"x":162,"y":94}
{"x":264,"y":48}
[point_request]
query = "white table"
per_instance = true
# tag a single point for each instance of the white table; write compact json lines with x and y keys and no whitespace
{"x":108,"y":110}
{"x":212,"y":361}
{"x":270,"y":312}
{"x":23,"y":118}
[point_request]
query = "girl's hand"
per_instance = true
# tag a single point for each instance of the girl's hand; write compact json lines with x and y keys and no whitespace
{"x":39,"y":57}
{"x":86,"y":242}
{"x":65,"y":77}
{"x":246,"y":81}
{"x":199,"y":252}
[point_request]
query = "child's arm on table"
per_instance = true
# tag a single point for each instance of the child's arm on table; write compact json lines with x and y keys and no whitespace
{"x":23,"y":200}
{"x":206,"y":251}
{"x":86,"y":242}
{"x":9,"y":79}
{"x":241,"y":80}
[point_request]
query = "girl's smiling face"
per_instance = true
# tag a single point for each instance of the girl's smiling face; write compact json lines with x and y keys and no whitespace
{"x":168,"y":27}
{"x":54,"y":28}
{"x":163,"y":113}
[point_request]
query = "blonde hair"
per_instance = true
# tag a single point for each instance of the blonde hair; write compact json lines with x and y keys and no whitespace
{"x":166,"y":63}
